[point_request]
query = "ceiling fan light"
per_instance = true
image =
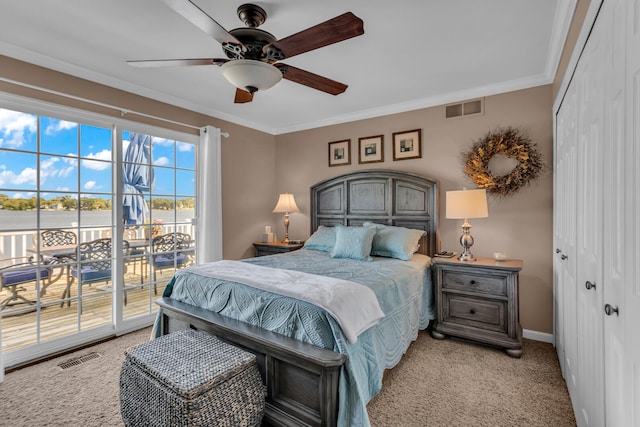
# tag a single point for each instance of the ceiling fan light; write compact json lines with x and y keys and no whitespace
{"x":251,"y":75}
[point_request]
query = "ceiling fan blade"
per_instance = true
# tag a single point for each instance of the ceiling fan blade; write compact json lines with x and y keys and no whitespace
{"x":198,"y":17}
{"x":334,"y":30}
{"x":311,"y":80}
{"x":243,"y":96}
{"x":153,"y":63}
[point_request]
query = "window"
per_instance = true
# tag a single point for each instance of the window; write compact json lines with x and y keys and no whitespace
{"x":61,"y":219}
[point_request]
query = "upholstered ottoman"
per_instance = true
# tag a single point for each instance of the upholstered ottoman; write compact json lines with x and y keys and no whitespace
{"x":190,"y":378}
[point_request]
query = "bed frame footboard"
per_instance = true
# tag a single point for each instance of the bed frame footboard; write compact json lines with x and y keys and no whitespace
{"x":301,"y":380}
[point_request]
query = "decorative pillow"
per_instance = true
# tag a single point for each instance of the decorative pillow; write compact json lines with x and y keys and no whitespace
{"x":322,"y":240}
{"x":395,"y":242}
{"x":353,"y":242}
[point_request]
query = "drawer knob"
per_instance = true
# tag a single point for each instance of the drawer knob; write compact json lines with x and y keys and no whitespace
{"x":589,"y":285}
{"x":473,"y":282}
{"x":472,"y":311}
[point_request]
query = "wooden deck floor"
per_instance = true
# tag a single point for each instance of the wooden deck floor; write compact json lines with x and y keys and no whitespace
{"x":19,"y":322}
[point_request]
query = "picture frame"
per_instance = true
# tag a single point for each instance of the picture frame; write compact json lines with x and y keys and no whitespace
{"x":340,"y":153}
{"x":371,"y":149}
{"x":407,"y":144}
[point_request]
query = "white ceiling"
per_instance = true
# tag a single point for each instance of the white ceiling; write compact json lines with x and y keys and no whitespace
{"x":413,"y":54}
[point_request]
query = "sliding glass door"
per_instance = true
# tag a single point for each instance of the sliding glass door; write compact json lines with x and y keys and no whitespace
{"x":74,"y":267}
{"x":159,"y":199}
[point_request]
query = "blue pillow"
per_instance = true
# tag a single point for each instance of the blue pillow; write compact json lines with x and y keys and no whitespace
{"x":395,"y":242}
{"x":322,"y":240}
{"x":353,"y":242}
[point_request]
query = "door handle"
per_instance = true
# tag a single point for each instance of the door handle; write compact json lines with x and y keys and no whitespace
{"x":563,"y":257}
{"x":558,"y":250}
{"x":610,"y":309}
{"x":589,"y":285}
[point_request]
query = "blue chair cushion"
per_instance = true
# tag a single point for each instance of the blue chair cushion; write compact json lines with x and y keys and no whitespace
{"x":88,"y":274}
{"x":166,"y":260}
{"x":10,"y":278}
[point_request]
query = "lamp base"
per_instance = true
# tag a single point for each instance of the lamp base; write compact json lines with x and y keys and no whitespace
{"x":466,"y":240}
{"x":286,"y":228}
{"x":468,"y":256}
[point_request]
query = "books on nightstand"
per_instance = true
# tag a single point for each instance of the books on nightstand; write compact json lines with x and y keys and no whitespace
{"x":445,"y":254}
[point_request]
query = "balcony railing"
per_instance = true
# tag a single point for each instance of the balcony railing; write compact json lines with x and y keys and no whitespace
{"x":21,"y":243}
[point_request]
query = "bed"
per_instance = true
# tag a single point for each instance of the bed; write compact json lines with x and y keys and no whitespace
{"x":316,"y":371}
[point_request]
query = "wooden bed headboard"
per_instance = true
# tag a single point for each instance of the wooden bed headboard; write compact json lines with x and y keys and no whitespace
{"x":380,"y":196}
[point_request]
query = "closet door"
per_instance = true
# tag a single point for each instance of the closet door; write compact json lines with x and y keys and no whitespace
{"x":632,"y":288}
{"x":565,"y":236}
{"x":590,"y":81}
{"x":622,"y":183}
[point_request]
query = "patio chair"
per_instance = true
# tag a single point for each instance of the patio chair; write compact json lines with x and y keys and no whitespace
{"x":20,"y":270}
{"x":49,"y":238}
{"x":135,"y":254}
{"x":95,"y":266}
{"x":170,"y":251}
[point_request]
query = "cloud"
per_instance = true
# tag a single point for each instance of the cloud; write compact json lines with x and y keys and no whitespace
{"x":162,"y":141}
{"x":26,"y":176}
{"x":58,"y":125}
{"x":99,"y":166}
{"x":184,"y":146}
{"x":161,"y":161}
{"x":90,"y":185}
{"x":50,"y":168}
{"x":23,"y":195}
{"x":15,"y":127}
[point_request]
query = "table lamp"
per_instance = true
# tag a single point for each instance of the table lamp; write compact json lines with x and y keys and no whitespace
{"x":465,"y":204}
{"x":287,"y":204}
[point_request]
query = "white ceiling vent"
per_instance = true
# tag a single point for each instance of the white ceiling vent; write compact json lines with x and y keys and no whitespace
{"x":463,"y":109}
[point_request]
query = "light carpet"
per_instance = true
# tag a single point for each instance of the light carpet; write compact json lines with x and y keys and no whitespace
{"x":437,"y":383}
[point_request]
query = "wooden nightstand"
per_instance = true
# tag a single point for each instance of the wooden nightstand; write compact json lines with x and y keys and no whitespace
{"x":263,"y":248}
{"x":478,"y":300}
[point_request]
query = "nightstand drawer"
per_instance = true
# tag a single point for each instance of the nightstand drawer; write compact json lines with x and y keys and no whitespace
{"x":473,"y":282}
{"x":476,"y":312}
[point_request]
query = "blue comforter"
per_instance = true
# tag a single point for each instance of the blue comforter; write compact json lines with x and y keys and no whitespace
{"x":403,"y":289}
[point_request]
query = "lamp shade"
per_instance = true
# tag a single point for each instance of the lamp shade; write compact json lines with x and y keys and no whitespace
{"x":286,"y":203}
{"x":465,"y":204}
{"x":251,"y":75}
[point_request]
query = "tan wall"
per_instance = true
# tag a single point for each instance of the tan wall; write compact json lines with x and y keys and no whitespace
{"x":248,"y":156}
{"x":520,"y":225}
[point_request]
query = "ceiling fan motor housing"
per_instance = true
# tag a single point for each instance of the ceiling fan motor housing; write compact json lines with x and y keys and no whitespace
{"x":254,"y":41}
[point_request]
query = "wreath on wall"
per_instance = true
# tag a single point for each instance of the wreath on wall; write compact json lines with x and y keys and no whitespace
{"x":509,"y":142}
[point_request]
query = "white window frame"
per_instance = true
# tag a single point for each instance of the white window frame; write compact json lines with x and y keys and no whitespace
{"x":120,"y":326}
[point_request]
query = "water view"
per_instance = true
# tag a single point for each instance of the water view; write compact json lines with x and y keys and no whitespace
{"x":26,"y":220}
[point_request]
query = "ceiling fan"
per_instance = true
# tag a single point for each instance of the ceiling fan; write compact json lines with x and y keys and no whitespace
{"x":253,"y":55}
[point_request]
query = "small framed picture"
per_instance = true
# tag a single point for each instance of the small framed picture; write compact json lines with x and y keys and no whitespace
{"x":407,"y":145}
{"x":340,"y":153}
{"x":371,"y":149}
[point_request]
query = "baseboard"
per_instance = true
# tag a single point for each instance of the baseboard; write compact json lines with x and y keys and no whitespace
{"x":537,"y":336}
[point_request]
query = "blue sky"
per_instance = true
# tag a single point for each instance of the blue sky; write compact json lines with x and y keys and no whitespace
{"x":61,"y":141}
